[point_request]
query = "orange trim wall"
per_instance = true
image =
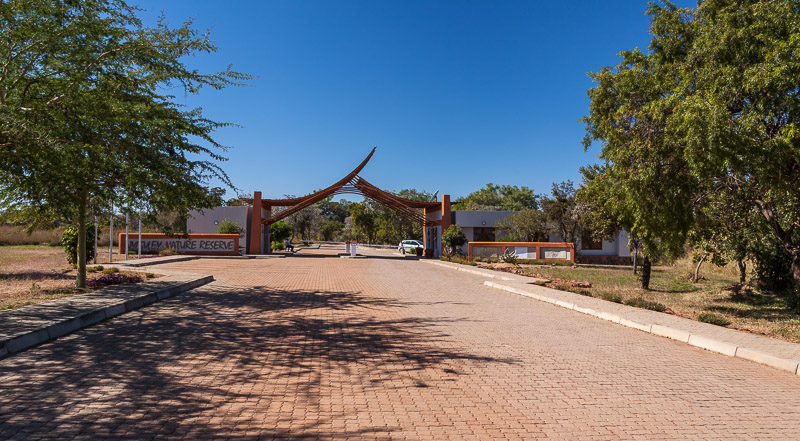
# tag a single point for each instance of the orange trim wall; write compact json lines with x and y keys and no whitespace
{"x":537,"y":245}
{"x":150,"y":236}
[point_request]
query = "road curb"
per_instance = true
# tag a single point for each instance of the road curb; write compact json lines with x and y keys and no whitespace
{"x":51,"y":331}
{"x":152,"y":261}
{"x":710,"y":344}
{"x":457,"y":267}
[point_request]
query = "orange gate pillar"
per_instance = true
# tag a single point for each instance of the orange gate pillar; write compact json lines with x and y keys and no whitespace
{"x":446,"y":217}
{"x":255,"y":225}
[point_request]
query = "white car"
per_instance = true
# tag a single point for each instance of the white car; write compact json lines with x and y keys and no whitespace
{"x":407,"y":246}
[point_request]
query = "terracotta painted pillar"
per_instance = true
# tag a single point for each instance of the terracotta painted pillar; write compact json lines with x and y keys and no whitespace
{"x":255,"y":225}
{"x":446,"y":217}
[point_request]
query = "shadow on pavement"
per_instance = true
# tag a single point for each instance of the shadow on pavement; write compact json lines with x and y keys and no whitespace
{"x":221,"y":362}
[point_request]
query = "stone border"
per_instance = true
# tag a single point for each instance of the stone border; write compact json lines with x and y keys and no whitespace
{"x":19,"y":342}
{"x":724,"y":348}
{"x":150,"y":261}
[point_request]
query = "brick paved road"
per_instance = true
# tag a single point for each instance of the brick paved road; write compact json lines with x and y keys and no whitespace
{"x":328,"y":348}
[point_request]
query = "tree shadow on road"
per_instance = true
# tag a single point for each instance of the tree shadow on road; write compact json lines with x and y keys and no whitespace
{"x":220,"y":362}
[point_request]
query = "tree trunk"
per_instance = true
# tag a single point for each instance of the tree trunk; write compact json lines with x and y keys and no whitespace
{"x":785,"y":237}
{"x":742,"y":271}
{"x":635,"y":254}
{"x":697,"y":268}
{"x":80,"y":281}
{"x":646,"y":267}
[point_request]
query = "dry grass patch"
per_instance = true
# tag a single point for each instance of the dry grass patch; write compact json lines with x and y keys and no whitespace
{"x":716,"y":296}
{"x":31,"y":274}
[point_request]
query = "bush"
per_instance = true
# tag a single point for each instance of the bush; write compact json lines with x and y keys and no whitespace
{"x":149,"y":275}
{"x":639,"y":302}
{"x":280,"y":231}
{"x":509,"y":256}
{"x":112,"y":279}
{"x":453,"y":238}
{"x":69,"y":240}
{"x":228,"y":226}
{"x":531,"y":262}
{"x":168,"y":252}
{"x":714,"y":319}
{"x":111,"y":270}
{"x":277,"y":246}
{"x":562,"y":263}
{"x":611,"y":297}
{"x":773,"y":264}
{"x":94,"y":269}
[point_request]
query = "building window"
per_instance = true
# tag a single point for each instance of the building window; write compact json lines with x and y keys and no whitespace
{"x":590,"y":242}
{"x":485,"y":234}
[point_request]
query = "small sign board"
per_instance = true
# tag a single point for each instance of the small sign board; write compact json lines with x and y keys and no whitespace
{"x":195,"y":244}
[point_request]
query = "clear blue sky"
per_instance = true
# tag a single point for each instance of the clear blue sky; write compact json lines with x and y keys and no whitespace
{"x":454,"y":94}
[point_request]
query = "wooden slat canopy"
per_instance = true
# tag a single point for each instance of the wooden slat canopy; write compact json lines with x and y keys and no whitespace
{"x":353,"y":184}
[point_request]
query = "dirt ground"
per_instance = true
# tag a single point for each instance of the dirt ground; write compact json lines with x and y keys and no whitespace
{"x":31,"y":274}
{"x":747,"y":308}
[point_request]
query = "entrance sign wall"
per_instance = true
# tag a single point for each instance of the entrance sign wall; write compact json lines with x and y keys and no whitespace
{"x":194,"y":244}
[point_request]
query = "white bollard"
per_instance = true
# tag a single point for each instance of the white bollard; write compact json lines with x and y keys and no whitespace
{"x":353,"y":250}
{"x":347,"y":247}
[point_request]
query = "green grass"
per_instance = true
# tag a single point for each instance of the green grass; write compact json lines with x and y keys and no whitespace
{"x":714,"y":319}
{"x":639,"y":302}
{"x":747,"y":308}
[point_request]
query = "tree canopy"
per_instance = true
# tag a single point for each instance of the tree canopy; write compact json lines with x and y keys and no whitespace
{"x":704,"y":121}
{"x":85,"y":119}
{"x":499,"y":197}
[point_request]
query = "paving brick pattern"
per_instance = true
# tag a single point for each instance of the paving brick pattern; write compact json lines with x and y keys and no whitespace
{"x":310,"y":347}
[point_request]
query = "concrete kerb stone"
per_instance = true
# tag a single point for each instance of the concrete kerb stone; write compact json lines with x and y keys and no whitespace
{"x":713,"y":345}
{"x":731,"y":350}
{"x":672,"y":333}
{"x":51,"y":331}
{"x":769,"y":360}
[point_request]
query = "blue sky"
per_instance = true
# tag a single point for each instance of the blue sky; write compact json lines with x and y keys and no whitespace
{"x":454,"y":94}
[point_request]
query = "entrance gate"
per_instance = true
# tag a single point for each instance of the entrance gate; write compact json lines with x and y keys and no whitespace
{"x":435,"y":217}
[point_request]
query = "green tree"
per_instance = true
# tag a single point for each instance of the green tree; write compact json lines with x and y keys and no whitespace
{"x":330,"y":229}
{"x":280,"y":231}
{"x":563,"y":211}
{"x":84,"y":119}
{"x":364,"y":224}
{"x":453,"y":239}
{"x":528,"y":225}
{"x":228,"y":226}
{"x":711,"y":108}
{"x":499,"y":197}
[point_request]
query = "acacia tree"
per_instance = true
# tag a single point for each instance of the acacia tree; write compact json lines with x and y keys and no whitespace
{"x":499,"y":197}
{"x":713,"y":107}
{"x":529,"y":225}
{"x":84,"y":119}
{"x":563,"y":211}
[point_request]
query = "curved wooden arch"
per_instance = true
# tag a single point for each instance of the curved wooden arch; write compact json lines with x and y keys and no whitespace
{"x":352,"y":184}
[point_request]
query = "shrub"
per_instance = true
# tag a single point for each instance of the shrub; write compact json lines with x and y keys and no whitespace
{"x":111,"y":270}
{"x":714,"y":319}
{"x":112,"y":279}
{"x":639,"y":302}
{"x":277,"y":246}
{"x":509,"y":256}
{"x":453,"y":239}
{"x":280,"y":231}
{"x":611,"y":297}
{"x":149,"y":275}
{"x":228,"y":226}
{"x":562,"y":263}
{"x":69,"y":240}
{"x":531,"y":261}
